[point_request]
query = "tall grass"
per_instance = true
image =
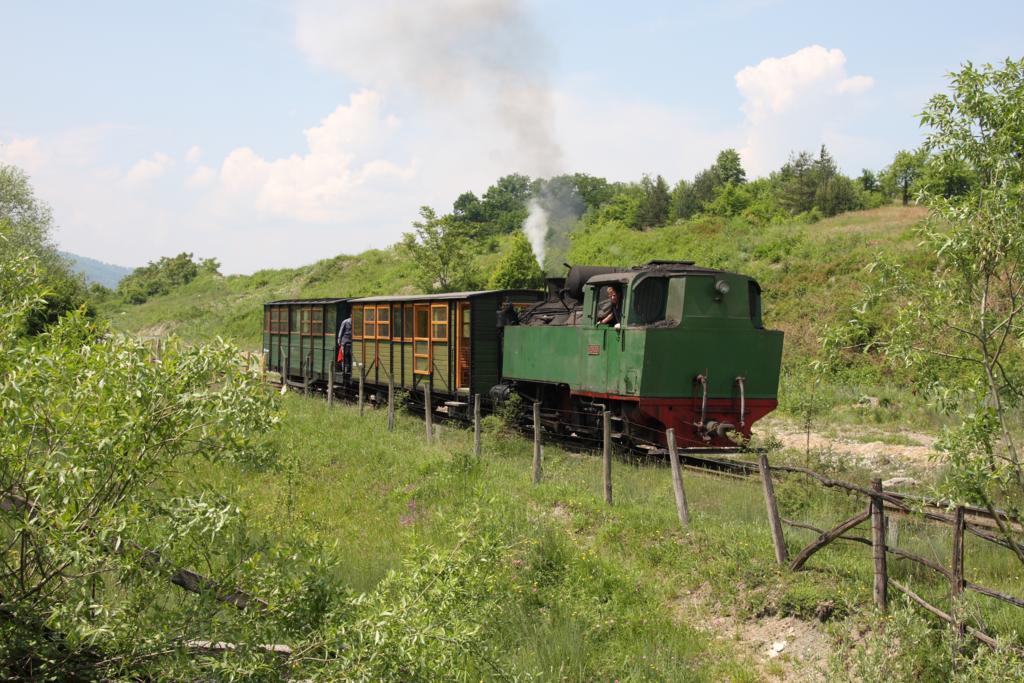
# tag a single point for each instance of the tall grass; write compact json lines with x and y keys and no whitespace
{"x":594,"y":592}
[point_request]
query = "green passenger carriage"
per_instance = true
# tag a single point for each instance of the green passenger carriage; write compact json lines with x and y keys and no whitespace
{"x":299,"y":337}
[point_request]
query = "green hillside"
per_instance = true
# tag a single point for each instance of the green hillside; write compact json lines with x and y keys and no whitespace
{"x":812,"y":274}
{"x":796,"y":263}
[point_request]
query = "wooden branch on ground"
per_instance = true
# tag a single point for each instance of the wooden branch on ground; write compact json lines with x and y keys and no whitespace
{"x":197,"y":583}
{"x":827,"y":537}
{"x":800,"y":525}
{"x":220,"y":647}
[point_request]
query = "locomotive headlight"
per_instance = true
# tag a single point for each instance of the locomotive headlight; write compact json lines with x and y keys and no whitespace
{"x":722,"y":287}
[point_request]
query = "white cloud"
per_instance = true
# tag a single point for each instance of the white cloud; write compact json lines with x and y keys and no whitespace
{"x":25,"y":153}
{"x":194,"y":154}
{"x":854,"y":85}
{"x":145,"y":170}
{"x":203,"y":176}
{"x":795,"y":102}
{"x":322,"y":184}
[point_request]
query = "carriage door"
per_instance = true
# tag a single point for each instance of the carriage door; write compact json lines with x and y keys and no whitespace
{"x":464,"y":346}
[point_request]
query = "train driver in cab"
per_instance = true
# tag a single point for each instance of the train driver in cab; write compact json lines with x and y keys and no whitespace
{"x":611,"y":309}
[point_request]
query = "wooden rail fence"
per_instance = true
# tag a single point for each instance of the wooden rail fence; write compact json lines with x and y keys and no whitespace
{"x":880,"y":506}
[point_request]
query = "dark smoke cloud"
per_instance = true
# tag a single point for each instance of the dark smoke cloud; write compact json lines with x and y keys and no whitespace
{"x":458,"y":55}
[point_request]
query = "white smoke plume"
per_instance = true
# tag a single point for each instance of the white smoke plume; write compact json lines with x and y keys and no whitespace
{"x":553,"y":214}
{"x":536,"y":228}
{"x":468,"y":59}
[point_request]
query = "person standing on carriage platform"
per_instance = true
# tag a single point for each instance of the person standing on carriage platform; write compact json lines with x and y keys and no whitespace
{"x":345,"y":344}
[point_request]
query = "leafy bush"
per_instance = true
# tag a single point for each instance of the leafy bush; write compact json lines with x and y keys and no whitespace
{"x":93,"y":426}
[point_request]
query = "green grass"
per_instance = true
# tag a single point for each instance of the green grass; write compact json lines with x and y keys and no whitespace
{"x":593,"y":592}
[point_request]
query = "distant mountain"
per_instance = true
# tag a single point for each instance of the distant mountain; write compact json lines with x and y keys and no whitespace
{"x":105,"y":274}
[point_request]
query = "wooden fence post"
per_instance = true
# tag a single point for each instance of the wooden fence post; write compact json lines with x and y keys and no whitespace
{"x":677,"y":478}
{"x":772,"y":506}
{"x":606,"y":448}
{"x":956,"y":582}
{"x":330,"y":384}
{"x":361,"y":394}
{"x":881,"y":587}
{"x":477,"y":445}
{"x":391,"y":404}
{"x":536,"y":443}
{"x":307,"y":370}
{"x":428,"y":413}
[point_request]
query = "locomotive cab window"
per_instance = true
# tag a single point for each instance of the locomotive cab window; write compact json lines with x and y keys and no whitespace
{"x":603,"y":304}
{"x":754,"y":295}
{"x":650,"y":298}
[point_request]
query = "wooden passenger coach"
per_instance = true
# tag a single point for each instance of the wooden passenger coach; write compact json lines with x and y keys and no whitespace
{"x":449,"y":340}
{"x":300,"y":336}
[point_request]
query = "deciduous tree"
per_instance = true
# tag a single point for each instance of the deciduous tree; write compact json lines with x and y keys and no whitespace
{"x":518,"y":267}
{"x":968,"y":313}
{"x":903,"y":172}
{"x":440,"y":250}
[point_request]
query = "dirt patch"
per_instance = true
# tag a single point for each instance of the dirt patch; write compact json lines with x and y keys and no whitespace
{"x":561,"y":513}
{"x":894,"y":459}
{"x":781,"y":648}
{"x":159,"y":331}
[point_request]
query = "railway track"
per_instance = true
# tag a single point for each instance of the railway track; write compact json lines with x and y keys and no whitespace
{"x":635,"y":450}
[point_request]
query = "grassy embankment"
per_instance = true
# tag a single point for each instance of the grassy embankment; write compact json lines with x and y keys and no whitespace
{"x":598,"y":593}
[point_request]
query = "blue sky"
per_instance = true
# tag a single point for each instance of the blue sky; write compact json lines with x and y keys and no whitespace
{"x":272,"y":134}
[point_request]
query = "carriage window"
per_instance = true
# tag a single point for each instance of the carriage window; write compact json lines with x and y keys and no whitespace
{"x":407,"y":322}
{"x":383,"y":322}
{"x":396,"y":322}
{"x":421,"y":345}
{"x":316,"y":320}
{"x":304,"y":321}
{"x":649,"y":299}
{"x":369,"y":322}
{"x":439,"y":322}
{"x":278,"y":320}
{"x":357,"y":322}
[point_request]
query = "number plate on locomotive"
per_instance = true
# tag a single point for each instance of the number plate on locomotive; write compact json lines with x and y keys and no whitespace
{"x":593,"y":349}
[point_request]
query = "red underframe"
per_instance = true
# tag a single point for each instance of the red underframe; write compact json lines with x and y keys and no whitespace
{"x":683,"y":414}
